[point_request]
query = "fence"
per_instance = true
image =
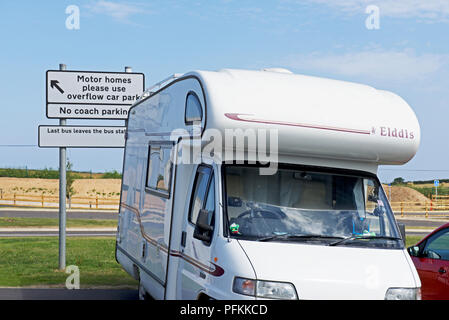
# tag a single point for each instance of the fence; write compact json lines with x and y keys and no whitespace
{"x":47,"y":201}
{"x":442,"y":197}
{"x":431,"y":208}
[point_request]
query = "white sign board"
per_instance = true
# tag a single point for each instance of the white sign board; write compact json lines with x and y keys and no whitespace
{"x":92,"y":95}
{"x":82,"y":136}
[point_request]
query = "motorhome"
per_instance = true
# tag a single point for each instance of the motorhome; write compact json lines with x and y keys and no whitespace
{"x":242,"y":184}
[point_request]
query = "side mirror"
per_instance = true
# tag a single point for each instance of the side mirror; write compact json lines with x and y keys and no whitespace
{"x":413,"y":251}
{"x":203,"y":230}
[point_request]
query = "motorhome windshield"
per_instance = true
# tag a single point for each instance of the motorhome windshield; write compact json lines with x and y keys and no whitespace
{"x":309,"y":207}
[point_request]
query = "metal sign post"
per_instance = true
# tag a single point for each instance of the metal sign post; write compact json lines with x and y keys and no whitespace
{"x":62,"y":195}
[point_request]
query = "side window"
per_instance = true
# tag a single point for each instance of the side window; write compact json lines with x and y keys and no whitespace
{"x":203,"y":194}
{"x":437,"y":247}
{"x":210,"y":202}
{"x":193,"y":111}
{"x":159,"y":168}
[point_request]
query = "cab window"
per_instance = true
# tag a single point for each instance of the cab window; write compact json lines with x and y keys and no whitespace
{"x":203,"y":194}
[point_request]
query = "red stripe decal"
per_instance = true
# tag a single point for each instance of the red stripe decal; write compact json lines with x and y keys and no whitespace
{"x":236,"y":116}
{"x":216,"y":272}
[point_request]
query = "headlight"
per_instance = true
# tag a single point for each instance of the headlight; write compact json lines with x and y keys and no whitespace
{"x":265,"y":289}
{"x":276,"y":290}
{"x":403,"y":294}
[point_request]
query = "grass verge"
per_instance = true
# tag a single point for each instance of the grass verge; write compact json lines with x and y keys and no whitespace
{"x":33,"y":261}
{"x":411,"y":240}
{"x":429,"y":190}
{"x":6,"y":222}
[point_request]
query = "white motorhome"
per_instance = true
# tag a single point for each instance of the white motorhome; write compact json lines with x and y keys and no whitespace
{"x":211,"y":224}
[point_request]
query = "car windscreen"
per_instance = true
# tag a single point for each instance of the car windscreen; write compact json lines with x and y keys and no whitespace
{"x":308,"y":206}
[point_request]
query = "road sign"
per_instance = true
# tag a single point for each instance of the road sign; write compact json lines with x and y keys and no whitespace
{"x":82,"y":136}
{"x":92,"y":95}
{"x":436,"y":183}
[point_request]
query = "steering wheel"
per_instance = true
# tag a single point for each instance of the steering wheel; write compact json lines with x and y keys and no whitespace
{"x":258,"y":228}
{"x":263,"y":213}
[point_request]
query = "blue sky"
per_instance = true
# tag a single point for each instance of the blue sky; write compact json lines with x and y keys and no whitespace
{"x":408,"y":55}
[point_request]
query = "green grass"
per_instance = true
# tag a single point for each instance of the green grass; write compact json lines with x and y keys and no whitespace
{"x":32,"y":261}
{"x":429,"y":190}
{"x":29,"y":173}
{"x":111,"y":175}
{"x":411,"y":240}
{"x":6,"y":222}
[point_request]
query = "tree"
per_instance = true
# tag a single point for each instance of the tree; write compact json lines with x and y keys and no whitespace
{"x":70,"y":178}
{"x":398,"y":181}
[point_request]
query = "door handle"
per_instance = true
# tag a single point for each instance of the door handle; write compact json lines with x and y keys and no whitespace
{"x":441,"y":270}
{"x":183,"y":238}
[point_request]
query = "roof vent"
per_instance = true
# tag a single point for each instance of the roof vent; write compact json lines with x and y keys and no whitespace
{"x":279,"y":70}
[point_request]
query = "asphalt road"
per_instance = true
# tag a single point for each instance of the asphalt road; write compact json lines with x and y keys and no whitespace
{"x":410,"y":222}
{"x":65,"y":294}
{"x":108,"y":215}
{"x":434,"y":214}
{"x":422,"y":222}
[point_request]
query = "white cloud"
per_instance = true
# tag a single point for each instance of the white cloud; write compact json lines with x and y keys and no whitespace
{"x":116,"y":10}
{"x":430,"y":10}
{"x":377,"y":64}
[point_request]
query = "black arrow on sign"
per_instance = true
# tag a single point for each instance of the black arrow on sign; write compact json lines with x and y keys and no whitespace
{"x":54,"y":84}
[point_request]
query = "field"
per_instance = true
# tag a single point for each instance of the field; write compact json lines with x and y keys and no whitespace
{"x":110,"y":188}
{"x":107,"y":185}
{"x":33,"y":261}
{"x":428,"y":188}
{"x":104,"y":188}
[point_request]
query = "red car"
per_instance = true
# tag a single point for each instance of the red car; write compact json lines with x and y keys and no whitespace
{"x":431,"y":259}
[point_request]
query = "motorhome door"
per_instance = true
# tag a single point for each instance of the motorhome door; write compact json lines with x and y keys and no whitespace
{"x":198,"y":234}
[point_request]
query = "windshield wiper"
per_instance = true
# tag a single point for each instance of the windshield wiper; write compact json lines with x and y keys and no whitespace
{"x":357,"y":237}
{"x":287,"y":236}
